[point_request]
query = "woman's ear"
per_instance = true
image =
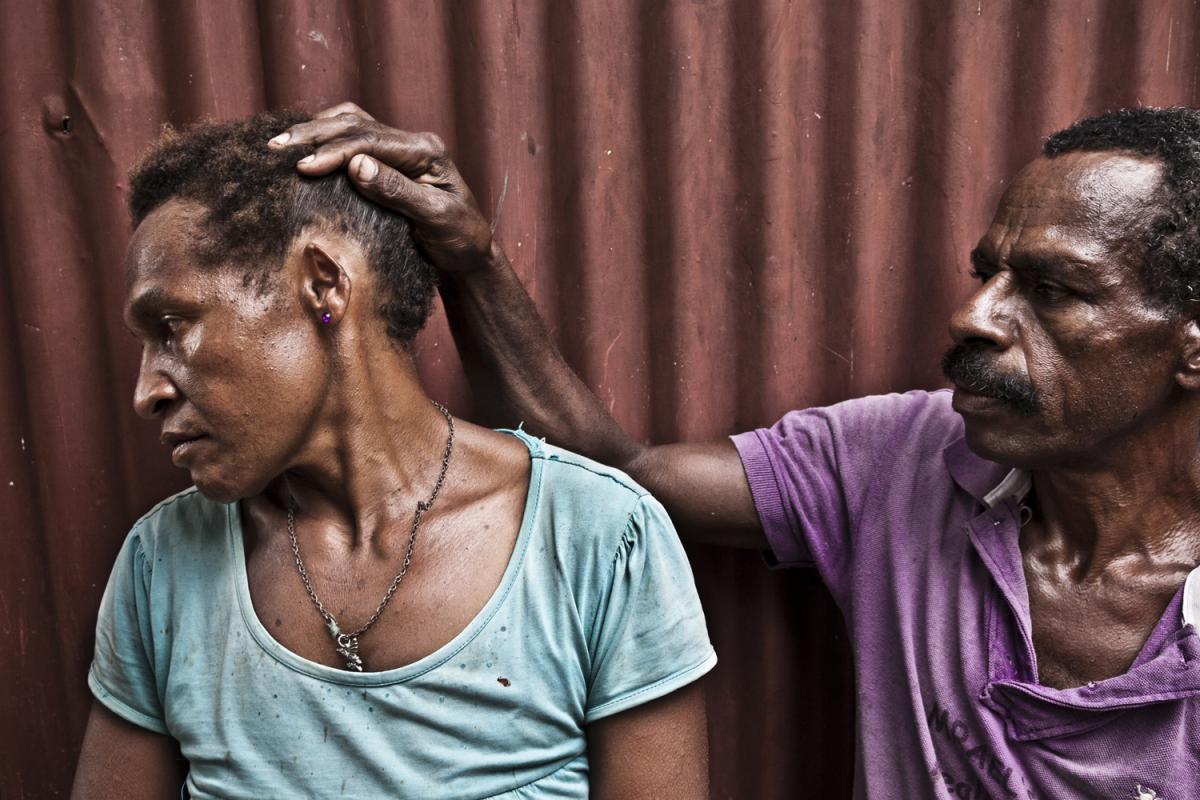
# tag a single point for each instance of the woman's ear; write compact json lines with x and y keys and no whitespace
{"x":325,"y":285}
{"x":1189,"y":362}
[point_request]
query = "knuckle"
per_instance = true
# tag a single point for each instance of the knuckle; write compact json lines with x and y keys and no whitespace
{"x":370,"y":138}
{"x":349,"y":119}
{"x":434,"y":143}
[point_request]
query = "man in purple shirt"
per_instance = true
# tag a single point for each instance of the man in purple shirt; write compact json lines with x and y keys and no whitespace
{"x":1014,"y":559}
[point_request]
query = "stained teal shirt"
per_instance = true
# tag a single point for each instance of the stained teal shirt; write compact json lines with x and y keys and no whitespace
{"x":596,"y":613}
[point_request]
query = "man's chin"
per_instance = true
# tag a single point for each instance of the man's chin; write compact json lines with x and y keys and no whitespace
{"x":1000,"y":445}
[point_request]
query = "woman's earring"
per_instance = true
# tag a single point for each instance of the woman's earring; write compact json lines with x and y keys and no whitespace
{"x":325,"y":318}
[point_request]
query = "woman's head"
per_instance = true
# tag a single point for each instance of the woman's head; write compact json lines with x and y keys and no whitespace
{"x":239,"y":283}
{"x":257,"y":205}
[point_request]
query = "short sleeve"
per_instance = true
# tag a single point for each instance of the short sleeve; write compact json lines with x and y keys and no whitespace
{"x":122,"y":674}
{"x":811,"y":471}
{"x":649,"y":637}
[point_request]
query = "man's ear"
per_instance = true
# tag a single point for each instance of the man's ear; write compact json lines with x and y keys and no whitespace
{"x":1189,"y":362}
{"x":325,"y":285}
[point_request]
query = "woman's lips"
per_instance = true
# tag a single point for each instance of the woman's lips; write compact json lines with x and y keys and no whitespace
{"x":184,"y":447}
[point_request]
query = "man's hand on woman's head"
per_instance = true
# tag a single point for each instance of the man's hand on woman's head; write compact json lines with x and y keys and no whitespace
{"x":406,"y":172}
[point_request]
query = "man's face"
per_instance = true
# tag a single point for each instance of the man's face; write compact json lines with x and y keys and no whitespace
{"x":235,"y":377}
{"x":1059,"y":352}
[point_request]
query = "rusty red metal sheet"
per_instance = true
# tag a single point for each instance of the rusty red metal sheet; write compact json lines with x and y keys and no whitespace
{"x":724,"y":209}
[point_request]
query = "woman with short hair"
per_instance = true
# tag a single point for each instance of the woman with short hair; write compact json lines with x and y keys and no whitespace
{"x":362,"y":596}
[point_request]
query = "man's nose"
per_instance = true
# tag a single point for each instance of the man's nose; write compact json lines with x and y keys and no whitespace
{"x":154,"y":392}
{"x":986,"y":318}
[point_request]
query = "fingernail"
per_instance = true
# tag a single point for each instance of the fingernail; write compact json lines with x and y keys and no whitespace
{"x":280,"y":140}
{"x":367,"y":168}
{"x":305,"y":160}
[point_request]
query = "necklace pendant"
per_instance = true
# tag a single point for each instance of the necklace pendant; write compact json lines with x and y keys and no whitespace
{"x":347,"y":648}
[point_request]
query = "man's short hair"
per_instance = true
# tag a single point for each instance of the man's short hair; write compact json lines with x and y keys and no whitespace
{"x":1171,"y":268}
{"x":257,"y":204}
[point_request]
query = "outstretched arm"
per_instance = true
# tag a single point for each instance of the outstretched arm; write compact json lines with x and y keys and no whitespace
{"x":703,"y":486}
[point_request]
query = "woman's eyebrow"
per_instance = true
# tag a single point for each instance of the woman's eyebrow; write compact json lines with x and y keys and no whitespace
{"x":146,"y":305}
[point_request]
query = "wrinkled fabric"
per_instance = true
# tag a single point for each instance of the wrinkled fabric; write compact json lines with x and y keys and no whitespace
{"x":882,"y":496}
{"x":596,"y":613}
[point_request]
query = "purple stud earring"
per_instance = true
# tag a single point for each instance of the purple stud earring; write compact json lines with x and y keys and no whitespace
{"x":325,"y":318}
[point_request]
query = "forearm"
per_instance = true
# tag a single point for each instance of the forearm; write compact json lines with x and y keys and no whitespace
{"x":495,"y":322}
{"x":509,"y":356}
{"x":489,"y":305}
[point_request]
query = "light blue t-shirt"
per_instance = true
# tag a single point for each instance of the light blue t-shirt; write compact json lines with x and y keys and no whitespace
{"x":596,"y":613}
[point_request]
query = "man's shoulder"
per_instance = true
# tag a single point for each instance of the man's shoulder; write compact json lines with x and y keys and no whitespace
{"x":925,"y":408}
{"x":916,"y":420}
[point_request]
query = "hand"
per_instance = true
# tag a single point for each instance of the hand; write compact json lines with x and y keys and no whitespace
{"x":407,"y":172}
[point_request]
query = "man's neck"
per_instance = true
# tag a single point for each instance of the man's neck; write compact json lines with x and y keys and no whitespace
{"x":1140,"y":501}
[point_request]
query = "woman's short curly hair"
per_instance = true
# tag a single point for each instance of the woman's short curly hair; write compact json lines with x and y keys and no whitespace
{"x":257,"y":204}
{"x":1171,"y":268}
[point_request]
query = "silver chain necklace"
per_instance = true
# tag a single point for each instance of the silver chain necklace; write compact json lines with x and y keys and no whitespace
{"x":347,"y":643}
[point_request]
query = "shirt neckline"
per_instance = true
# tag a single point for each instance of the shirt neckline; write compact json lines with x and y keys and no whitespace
{"x":407,"y":672}
{"x":1016,"y":485}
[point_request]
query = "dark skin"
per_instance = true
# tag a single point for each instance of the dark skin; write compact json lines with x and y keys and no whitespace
{"x":1112,"y":451}
{"x":261,"y":401}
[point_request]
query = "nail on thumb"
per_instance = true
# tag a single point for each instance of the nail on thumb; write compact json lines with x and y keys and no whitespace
{"x":367,"y":168}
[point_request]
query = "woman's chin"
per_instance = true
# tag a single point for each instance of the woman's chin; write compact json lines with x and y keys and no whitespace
{"x":218,"y":488}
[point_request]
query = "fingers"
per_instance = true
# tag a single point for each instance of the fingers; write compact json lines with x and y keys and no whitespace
{"x":393,"y":189}
{"x":342,"y":108}
{"x":446,"y":222}
{"x":316,"y":131}
{"x":339,"y":137}
{"x":414,"y":154}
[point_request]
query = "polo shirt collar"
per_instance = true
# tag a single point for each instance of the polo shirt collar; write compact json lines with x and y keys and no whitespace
{"x":1167,"y":671}
{"x":1191,"y":598}
{"x":977,"y":476}
{"x":991,"y":484}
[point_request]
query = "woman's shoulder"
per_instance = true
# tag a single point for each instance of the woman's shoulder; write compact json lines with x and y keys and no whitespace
{"x":182,"y":521}
{"x":588,"y":510}
{"x":567,"y":477}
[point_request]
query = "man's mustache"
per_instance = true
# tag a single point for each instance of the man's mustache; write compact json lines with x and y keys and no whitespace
{"x":972,"y":369}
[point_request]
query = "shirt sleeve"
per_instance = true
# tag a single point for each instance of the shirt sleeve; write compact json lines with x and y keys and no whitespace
{"x":649,"y":637}
{"x":811,"y":471}
{"x":122,"y":675}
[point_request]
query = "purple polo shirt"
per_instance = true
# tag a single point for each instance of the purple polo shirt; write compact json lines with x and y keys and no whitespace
{"x":916,"y":538}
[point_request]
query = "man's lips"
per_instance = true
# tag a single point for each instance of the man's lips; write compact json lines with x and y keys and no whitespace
{"x":967,"y":400}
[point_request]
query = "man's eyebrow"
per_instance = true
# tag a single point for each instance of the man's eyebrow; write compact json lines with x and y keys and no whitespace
{"x":1039,"y":261}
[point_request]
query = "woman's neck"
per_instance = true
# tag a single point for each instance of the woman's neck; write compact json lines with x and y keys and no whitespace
{"x":375,"y":451}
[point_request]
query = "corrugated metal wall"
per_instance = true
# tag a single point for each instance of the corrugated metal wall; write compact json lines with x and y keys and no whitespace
{"x":724,"y":209}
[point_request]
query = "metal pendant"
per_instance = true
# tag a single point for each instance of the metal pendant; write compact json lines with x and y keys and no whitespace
{"x":347,"y":648}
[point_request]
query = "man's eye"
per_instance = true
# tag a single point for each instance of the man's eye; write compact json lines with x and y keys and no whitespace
{"x":171,"y":327}
{"x":981,"y":275}
{"x":1050,"y":293}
